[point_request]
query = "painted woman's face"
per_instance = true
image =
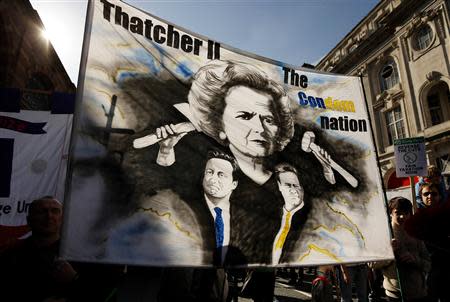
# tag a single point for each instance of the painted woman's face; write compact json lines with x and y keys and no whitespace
{"x":249,"y":122}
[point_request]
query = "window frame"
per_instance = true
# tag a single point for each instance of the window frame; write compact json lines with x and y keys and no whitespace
{"x":419,"y":38}
{"x":435,"y":110}
{"x":438,"y":111}
{"x":387,"y":83}
{"x":395,"y":124}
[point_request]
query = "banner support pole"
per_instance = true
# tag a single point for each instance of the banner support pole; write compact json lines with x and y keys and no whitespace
{"x":373,"y":139}
{"x":413,"y":194}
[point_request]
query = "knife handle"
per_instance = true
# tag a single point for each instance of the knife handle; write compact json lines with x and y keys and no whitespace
{"x":152,"y":139}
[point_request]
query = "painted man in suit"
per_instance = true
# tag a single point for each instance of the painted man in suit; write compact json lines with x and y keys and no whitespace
{"x":213,"y":216}
{"x":293,"y":194}
{"x":218,"y":184}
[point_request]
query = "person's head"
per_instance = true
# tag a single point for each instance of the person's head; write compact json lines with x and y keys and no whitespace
{"x":429,"y":193}
{"x":289,"y":186}
{"x":433,"y":175}
{"x":400,"y":209}
{"x":239,"y":105}
{"x":219,"y":176}
{"x":45,"y":216}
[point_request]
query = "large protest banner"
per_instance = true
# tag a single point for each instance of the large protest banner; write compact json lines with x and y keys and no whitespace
{"x":188,"y":152}
{"x":33,"y":157}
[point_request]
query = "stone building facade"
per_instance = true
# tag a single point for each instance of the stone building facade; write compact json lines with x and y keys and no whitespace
{"x":28,"y":62}
{"x":401,"y":49}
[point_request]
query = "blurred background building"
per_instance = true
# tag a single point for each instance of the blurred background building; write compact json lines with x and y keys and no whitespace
{"x":401,"y":49}
{"x":29,"y":66}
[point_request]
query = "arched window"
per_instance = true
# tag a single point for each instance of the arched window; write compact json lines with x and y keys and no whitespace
{"x":388,"y":75}
{"x":423,"y":37}
{"x":434,"y":106}
{"x":438,"y":102}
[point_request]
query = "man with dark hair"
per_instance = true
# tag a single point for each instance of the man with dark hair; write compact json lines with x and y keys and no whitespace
{"x":213,"y":216}
{"x":292,"y":192}
{"x":218,"y":184}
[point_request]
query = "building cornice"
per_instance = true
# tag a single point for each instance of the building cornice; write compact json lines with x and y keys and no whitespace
{"x":420,"y":19}
{"x":392,"y":21}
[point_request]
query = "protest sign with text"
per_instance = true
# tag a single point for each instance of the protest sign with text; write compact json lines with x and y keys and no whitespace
{"x":188,"y":152}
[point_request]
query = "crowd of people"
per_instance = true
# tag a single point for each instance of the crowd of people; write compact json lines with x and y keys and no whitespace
{"x":421,"y":246}
{"x":31,"y":269}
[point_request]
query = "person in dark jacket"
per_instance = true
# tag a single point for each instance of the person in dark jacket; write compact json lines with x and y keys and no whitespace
{"x":32,"y":270}
{"x":432,"y":225}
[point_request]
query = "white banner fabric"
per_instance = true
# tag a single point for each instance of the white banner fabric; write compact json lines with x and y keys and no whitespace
{"x":188,"y":152}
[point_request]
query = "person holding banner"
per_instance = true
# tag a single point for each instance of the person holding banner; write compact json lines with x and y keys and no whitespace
{"x":411,"y":256}
{"x":239,"y":106}
{"x":32,"y":270}
{"x":34,"y":261}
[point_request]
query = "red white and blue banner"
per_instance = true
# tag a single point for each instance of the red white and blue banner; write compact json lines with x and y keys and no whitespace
{"x":188,"y":152}
{"x":33,"y":157}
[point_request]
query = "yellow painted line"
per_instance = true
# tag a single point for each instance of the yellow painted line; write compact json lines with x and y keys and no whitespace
{"x":334,"y":229}
{"x":349,"y":220}
{"x":320,"y":250}
{"x":168,"y":215}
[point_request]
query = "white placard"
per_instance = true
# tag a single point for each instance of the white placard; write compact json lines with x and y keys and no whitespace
{"x":410,"y":157}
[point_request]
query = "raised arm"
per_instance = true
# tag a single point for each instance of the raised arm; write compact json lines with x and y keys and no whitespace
{"x":168,"y":137}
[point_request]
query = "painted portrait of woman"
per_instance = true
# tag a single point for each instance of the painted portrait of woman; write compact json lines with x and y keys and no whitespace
{"x":249,"y":116}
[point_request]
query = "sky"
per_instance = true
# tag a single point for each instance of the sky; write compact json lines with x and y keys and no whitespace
{"x":290,"y":31}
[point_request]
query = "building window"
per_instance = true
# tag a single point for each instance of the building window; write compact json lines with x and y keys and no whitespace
{"x":434,"y":105}
{"x":438,"y":103}
{"x":394,"y":123}
{"x":388,"y":75}
{"x":423,"y":37}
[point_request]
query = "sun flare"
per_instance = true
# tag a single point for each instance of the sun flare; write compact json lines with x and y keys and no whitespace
{"x":45,"y":35}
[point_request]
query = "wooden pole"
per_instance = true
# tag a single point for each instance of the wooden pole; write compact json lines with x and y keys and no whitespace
{"x":413,"y":193}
